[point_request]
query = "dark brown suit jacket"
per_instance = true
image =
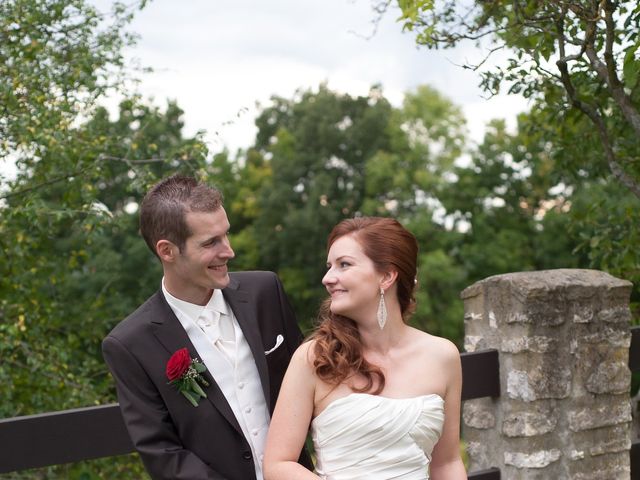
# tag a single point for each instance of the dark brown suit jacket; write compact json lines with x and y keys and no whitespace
{"x":175,"y":439}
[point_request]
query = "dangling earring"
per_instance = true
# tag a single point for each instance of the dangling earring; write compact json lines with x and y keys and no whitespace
{"x":382,"y":310}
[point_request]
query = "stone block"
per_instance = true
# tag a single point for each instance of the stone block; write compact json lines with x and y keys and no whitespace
{"x":599,"y":413}
{"x":609,"y":377}
{"x":473,"y":343}
{"x":613,"y":466}
{"x":617,"y":314}
{"x":617,"y":444}
{"x":477,"y":414}
{"x":525,"y":423}
{"x":545,"y":381}
{"x":601,"y":441}
{"x":479,"y":455}
{"x":613,"y":337}
{"x":536,"y":344}
{"x":538,"y":459}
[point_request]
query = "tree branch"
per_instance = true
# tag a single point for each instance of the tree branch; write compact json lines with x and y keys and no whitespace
{"x":593,"y":115}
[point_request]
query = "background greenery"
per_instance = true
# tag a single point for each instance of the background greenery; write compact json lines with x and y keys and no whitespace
{"x":553,"y":194}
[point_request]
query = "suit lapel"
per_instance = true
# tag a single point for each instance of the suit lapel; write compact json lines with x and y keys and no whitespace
{"x":169,"y":332}
{"x":244,"y":311}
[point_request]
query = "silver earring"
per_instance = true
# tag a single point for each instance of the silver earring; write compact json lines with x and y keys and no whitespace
{"x":382,"y":311}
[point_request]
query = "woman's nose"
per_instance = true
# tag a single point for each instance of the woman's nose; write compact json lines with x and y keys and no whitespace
{"x":328,"y":278}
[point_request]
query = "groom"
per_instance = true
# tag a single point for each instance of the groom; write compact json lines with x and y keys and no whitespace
{"x":239,"y":326}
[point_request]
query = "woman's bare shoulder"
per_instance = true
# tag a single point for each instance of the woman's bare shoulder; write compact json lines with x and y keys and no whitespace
{"x":305,"y":353}
{"x":439,"y":347}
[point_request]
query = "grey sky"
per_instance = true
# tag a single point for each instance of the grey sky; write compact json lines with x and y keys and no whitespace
{"x":218,"y":57}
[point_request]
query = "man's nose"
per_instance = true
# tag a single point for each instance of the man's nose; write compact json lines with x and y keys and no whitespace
{"x":228,"y":252}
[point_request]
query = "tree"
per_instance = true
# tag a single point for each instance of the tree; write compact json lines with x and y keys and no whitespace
{"x":569,"y":54}
{"x":578,"y":63}
{"x":332,"y":156}
{"x":73,"y":264}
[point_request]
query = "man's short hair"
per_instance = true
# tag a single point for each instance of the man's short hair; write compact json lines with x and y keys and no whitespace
{"x":164,"y":209}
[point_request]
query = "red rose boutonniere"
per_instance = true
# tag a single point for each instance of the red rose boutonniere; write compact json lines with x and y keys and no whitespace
{"x":185,"y":373}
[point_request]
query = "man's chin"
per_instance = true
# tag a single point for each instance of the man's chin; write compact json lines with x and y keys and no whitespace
{"x":222,"y":281}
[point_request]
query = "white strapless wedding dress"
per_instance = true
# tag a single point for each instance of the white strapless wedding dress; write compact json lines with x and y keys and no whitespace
{"x":363,"y":436}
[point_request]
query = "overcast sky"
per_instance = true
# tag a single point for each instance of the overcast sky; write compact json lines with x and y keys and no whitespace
{"x":218,"y":57}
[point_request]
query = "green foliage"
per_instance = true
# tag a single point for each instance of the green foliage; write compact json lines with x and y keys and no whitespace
{"x":333,"y":156}
{"x":578,"y":63}
{"x":73,"y":262}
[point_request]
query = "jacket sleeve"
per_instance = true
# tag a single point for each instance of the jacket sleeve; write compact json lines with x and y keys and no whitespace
{"x":148,"y":422}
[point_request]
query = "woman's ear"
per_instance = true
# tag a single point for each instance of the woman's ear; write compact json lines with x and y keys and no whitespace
{"x":388,"y":279}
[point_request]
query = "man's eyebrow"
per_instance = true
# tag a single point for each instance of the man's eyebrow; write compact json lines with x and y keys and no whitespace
{"x":216,"y":237}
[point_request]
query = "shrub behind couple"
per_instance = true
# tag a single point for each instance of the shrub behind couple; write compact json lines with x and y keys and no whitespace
{"x":382,"y":398}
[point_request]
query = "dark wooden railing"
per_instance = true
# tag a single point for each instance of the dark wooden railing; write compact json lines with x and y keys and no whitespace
{"x":55,"y":438}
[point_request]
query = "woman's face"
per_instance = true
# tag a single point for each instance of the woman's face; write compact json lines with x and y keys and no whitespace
{"x":351,"y":280}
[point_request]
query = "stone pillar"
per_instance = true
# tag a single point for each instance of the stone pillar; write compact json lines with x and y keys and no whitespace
{"x":563,"y":339}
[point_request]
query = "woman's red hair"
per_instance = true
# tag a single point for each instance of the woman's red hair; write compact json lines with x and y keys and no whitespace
{"x":338,"y":347}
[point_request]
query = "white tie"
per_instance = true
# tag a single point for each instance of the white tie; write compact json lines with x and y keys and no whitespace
{"x":209,"y":321}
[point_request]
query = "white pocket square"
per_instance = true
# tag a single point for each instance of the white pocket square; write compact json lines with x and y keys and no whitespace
{"x":279,"y":340}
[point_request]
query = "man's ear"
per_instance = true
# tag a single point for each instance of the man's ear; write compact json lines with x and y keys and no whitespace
{"x":167,"y":251}
{"x":388,"y":279}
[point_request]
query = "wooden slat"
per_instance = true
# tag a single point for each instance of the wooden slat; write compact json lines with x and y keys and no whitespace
{"x":634,"y":350}
{"x":489,"y":474}
{"x":480,"y":374}
{"x":61,"y":437}
{"x":635,"y":460}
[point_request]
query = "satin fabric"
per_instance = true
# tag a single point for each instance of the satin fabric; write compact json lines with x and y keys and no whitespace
{"x":378,"y":438}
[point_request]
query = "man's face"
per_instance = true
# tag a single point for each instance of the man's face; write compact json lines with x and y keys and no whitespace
{"x":202,"y":264}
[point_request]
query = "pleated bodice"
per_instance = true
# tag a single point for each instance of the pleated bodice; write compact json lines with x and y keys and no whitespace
{"x":378,"y":438}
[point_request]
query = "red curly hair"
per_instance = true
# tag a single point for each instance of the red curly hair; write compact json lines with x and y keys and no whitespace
{"x":338,"y":346}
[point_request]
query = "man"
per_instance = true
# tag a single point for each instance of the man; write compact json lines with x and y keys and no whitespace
{"x":239,"y":326}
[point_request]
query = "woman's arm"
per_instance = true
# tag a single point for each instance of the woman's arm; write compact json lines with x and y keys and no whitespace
{"x":291,"y":420}
{"x":446,"y":463}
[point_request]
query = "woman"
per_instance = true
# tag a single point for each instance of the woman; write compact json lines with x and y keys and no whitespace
{"x":382,"y":398}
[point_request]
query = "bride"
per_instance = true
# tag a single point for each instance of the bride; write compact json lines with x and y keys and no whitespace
{"x":382,"y":398}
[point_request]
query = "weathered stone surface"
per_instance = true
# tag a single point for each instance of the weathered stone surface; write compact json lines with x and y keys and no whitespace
{"x":539,"y":459}
{"x":587,"y":418}
{"x":577,"y":454}
{"x":604,"y":440}
{"x":609,"y":377}
{"x":473,"y":343}
{"x":536,"y":344}
{"x":613,"y":466}
{"x":472,"y":316}
{"x":618,"y":314}
{"x":608,"y":335}
{"x":564,"y":412}
{"x":621,"y":443}
{"x":529,"y":424}
{"x":478,"y":415}
{"x":583,"y":315}
{"x":539,"y":383}
{"x":613,"y":473}
{"x":518,"y":317}
{"x":479,"y":455}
